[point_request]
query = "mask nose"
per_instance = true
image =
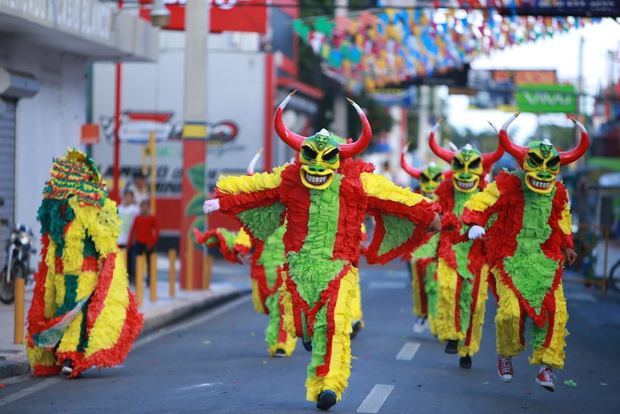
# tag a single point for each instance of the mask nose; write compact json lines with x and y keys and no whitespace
{"x":466,"y":176}
{"x":544,"y":175}
{"x":316,"y":168}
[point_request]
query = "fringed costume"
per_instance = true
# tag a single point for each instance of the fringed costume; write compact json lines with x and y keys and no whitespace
{"x":423,"y":262}
{"x":461,"y":272}
{"x":526,"y":249}
{"x":325,"y":196}
{"x":82,"y":312}
{"x":266,"y":267}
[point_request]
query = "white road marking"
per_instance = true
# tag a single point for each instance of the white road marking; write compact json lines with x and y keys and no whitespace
{"x":387,"y":285}
{"x":205,"y":385}
{"x":28,"y":391}
{"x":165,"y":331}
{"x":375,"y":399}
{"x":408,"y":351}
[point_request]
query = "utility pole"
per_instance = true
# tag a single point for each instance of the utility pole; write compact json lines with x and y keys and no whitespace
{"x":424,"y":99}
{"x":339,"y":124}
{"x":194,"y":128}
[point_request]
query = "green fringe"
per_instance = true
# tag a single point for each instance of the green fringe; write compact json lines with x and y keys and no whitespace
{"x":262,"y":221}
{"x":54,"y":215}
{"x":319,"y":342}
{"x":431,"y":286}
{"x":273,"y":327}
{"x":273,"y":255}
{"x":397,"y":231}
{"x":313,"y":267}
{"x":428,"y":249}
{"x":465,"y":301}
{"x":530,"y":270}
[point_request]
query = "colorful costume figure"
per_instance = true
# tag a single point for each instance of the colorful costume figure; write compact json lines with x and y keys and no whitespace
{"x":266,"y":267}
{"x":461,"y":270}
{"x":82,"y":312}
{"x":526,"y":249}
{"x":424,"y":259}
{"x":325,"y":196}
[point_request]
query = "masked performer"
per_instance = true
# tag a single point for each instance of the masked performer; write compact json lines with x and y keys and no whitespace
{"x":461,"y":270}
{"x":82,"y":312}
{"x":325,"y":195}
{"x":526,"y":248}
{"x":423,"y":259}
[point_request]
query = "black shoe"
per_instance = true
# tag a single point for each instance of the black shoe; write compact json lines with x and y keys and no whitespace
{"x":279,"y":353}
{"x":327,"y":399}
{"x":452,"y":347}
{"x":465,"y":362}
{"x":307,"y":345}
{"x":67,"y":367}
{"x":356,"y":328}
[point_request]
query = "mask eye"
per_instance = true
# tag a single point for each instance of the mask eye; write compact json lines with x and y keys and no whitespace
{"x":474,"y":164}
{"x":438,"y":177}
{"x":534,"y":160}
{"x":457,"y":164}
{"x":553,"y":162}
{"x":424,"y":178}
{"x":331,"y":155}
{"x":308,"y":153}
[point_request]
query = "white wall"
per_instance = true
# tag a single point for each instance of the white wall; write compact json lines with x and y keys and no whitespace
{"x":48,"y":123}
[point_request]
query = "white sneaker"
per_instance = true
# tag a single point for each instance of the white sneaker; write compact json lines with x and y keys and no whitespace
{"x":420,"y":325}
{"x":504,"y":368}
{"x":545,"y":378}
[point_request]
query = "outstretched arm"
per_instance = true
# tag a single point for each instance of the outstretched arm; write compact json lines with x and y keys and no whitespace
{"x":403,"y":218}
{"x":254,"y":200}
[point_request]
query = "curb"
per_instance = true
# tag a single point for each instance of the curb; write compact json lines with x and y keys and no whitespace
{"x":14,"y":368}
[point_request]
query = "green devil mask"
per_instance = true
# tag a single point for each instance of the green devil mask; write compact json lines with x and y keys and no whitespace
{"x":540,"y":160}
{"x":469,"y":166}
{"x":321,"y":153}
{"x":429,"y":177}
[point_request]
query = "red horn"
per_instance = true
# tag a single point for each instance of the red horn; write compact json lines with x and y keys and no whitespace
{"x":292,"y":139}
{"x":513,"y":149}
{"x":441,"y":152}
{"x":412,"y":171}
{"x":566,"y":157}
{"x":351,"y":150}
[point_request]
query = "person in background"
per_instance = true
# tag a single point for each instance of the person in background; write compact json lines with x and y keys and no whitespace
{"x":144,"y":233}
{"x":138,"y":188}
{"x":127,"y":211}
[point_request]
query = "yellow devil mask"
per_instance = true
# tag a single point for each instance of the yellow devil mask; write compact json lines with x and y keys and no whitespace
{"x":429,"y":177}
{"x":540,"y":160}
{"x":321,"y":153}
{"x":469,"y":166}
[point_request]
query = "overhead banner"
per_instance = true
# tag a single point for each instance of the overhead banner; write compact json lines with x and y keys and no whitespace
{"x":226,"y":15}
{"x":547,"y":98}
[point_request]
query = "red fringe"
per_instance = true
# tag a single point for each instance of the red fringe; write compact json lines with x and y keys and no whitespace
{"x":36,"y":313}
{"x":503,"y":235}
{"x":228,"y":254}
{"x":90,"y":264}
{"x":101,"y":290}
{"x":45,"y":370}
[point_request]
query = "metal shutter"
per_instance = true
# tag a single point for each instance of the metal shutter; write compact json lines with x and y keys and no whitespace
{"x":7,"y":168}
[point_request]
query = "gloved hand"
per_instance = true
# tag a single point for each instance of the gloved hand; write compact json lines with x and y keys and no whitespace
{"x":211,"y":206}
{"x":476,"y":232}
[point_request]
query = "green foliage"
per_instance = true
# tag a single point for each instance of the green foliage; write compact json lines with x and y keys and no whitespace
{"x":196,"y":176}
{"x":194,"y":207}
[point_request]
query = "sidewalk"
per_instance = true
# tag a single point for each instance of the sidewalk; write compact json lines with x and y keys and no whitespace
{"x":229,"y":282}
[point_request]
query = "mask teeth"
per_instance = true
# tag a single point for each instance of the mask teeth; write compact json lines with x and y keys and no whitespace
{"x":540,"y":185}
{"x":316,"y":179}
{"x":466,"y":185}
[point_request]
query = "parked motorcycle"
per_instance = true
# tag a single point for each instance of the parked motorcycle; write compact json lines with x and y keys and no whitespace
{"x":19,"y":249}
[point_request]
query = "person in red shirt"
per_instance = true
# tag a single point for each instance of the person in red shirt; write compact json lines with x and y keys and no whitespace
{"x":144,"y":234}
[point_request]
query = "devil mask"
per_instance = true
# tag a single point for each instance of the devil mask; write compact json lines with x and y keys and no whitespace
{"x":321,"y":153}
{"x":540,"y":160}
{"x":469,"y":166}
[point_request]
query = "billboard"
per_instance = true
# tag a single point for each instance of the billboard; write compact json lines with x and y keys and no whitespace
{"x":226,"y":15}
{"x":550,"y":98}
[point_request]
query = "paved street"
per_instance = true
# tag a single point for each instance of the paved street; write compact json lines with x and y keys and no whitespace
{"x":216,"y":363}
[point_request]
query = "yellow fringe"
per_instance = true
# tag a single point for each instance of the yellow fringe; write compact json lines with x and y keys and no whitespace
{"x":554,"y":354}
{"x":287,"y":306}
{"x":565,"y":221}
{"x":248,"y":184}
{"x":340,"y":363}
{"x":484,"y":199}
{"x":356,"y":306}
{"x":507,"y":320}
{"x":417,"y":291}
{"x":258,"y":304}
{"x":243,"y":239}
{"x":382,"y":188}
{"x":477,"y":317}
{"x":49,"y":296}
{"x":446,"y":305}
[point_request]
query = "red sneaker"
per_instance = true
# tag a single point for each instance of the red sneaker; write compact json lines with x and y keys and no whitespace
{"x":504,"y":368}
{"x":545,"y":378}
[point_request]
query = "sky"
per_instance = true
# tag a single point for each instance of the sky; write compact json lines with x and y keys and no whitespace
{"x":560,"y":53}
